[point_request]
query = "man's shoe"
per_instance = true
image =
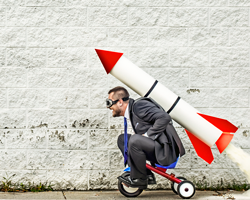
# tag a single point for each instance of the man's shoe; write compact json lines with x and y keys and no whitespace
{"x":151,"y":179}
{"x":134,"y":183}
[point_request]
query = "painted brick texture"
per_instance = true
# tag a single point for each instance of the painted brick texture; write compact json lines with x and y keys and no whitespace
{"x":54,"y":126}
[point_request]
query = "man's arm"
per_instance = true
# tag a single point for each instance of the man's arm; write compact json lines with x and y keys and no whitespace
{"x":149,"y":112}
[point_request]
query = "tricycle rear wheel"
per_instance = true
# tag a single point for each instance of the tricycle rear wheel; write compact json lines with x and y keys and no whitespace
{"x":186,"y":189}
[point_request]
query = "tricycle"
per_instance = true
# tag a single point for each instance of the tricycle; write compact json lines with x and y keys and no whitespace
{"x":184,"y":188}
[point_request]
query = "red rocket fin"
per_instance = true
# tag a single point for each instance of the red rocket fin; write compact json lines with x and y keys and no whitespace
{"x":223,"y":141}
{"x":226,"y":127}
{"x":202,"y":150}
{"x":222,"y":124}
{"x":108,"y":58}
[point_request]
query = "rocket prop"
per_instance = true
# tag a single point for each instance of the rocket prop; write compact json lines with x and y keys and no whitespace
{"x":202,"y":130}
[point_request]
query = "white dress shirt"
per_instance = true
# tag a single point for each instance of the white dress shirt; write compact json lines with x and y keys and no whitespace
{"x":126,"y":114}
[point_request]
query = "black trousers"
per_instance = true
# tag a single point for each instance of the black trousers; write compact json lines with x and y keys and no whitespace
{"x":140,"y":149}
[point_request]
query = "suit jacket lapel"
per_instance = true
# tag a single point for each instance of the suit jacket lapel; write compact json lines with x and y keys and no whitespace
{"x":131,"y":102}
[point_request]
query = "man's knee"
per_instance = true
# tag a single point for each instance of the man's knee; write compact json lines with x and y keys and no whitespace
{"x":120,"y":140}
{"x":134,"y":140}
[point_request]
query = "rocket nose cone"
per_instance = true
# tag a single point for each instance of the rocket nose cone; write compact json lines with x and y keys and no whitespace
{"x":108,"y":58}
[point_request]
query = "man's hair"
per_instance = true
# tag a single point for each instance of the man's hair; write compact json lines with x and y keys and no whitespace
{"x":119,"y":92}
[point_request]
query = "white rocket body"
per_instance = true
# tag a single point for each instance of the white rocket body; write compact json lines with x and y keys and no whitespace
{"x":203,"y":130}
{"x":183,"y":113}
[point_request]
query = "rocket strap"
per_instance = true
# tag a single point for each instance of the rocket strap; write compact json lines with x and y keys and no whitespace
{"x":172,"y":107}
{"x":150,"y":90}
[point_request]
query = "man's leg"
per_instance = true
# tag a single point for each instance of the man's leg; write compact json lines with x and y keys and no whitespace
{"x":150,"y":155}
{"x":120,"y":142}
{"x":140,"y":149}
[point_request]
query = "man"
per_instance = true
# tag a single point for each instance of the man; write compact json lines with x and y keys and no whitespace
{"x":155,"y":138}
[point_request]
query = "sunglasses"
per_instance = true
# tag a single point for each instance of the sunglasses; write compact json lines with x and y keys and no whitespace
{"x":110,"y":103}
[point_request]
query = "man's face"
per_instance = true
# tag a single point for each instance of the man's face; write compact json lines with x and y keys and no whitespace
{"x":116,"y":109}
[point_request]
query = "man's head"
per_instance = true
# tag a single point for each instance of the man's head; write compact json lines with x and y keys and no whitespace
{"x":118,"y":100}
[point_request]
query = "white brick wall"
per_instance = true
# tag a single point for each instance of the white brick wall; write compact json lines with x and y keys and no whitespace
{"x":53,"y":122}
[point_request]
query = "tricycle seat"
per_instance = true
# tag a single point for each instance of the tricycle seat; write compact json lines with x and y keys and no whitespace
{"x":171,"y":166}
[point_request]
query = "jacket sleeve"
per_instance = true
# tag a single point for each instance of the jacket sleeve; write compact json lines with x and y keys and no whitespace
{"x":149,"y":112}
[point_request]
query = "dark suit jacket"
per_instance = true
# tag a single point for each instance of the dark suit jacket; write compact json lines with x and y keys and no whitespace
{"x":147,"y":116}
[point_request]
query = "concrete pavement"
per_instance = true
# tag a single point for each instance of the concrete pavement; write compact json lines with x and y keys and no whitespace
{"x":113,"y":195}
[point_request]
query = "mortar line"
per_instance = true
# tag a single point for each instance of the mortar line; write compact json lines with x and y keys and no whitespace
{"x":169,"y":63}
{"x":209,"y":57}
{"x":109,"y":166}
{"x":128,"y":19}
{"x":106,"y":27}
{"x":46,"y":17}
{"x":88,"y":136}
{"x":88,"y":178}
{"x":168,"y":16}
{"x":248,"y":16}
{"x":67,"y":119}
{"x":230,"y":78}
{"x":108,"y":36}
{"x":109,"y":121}
{"x":7,"y":99}
{"x":147,"y":37}
{"x":88,"y":133}
{"x":248,"y":12}
{"x":87,"y":58}
{"x":249,"y":97}
{"x":87,"y":18}
{"x":5,"y":17}
{"x":189,"y":84}
{"x":208,"y":20}
{"x":26,"y":117}
{"x":67,"y":38}
{"x":47,"y":139}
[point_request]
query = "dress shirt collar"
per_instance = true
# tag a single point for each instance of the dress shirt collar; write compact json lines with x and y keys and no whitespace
{"x":126,"y":114}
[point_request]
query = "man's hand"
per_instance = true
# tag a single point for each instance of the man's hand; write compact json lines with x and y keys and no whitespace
{"x":145,"y":134}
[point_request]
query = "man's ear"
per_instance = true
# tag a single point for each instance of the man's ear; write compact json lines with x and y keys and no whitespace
{"x":120,"y":102}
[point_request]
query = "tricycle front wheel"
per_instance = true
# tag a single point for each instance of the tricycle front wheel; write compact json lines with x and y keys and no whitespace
{"x":128,"y":191}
